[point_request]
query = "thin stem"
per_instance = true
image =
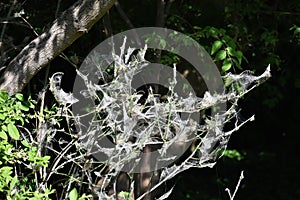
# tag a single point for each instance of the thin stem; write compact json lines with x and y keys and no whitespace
{"x":236,"y":188}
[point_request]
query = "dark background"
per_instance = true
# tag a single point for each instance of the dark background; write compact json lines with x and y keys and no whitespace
{"x":262,"y":31}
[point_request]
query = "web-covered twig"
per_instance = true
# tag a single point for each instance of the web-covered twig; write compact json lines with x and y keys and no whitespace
{"x":133,"y":121}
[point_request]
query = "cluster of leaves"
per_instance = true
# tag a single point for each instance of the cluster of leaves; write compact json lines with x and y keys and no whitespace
{"x":21,"y":185}
{"x":18,"y":160}
{"x":223,"y":47}
{"x":13,"y":110}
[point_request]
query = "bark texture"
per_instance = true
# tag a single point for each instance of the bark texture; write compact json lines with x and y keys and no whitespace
{"x":72,"y":24}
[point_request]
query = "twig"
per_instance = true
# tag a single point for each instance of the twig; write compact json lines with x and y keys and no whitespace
{"x":57,"y":8}
{"x":4,"y":26}
{"x":57,"y":159}
{"x":31,"y":27}
{"x":236,"y":188}
{"x":107,"y":25}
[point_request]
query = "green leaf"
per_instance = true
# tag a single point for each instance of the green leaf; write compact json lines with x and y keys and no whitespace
{"x":226,"y":39}
{"x":216,"y":46}
{"x":13,"y":182}
{"x":6,"y":171}
{"x":19,"y":96}
{"x":3,"y":135}
{"x":22,"y":107}
{"x":13,"y":131}
{"x":213,"y":32}
{"x":44,"y":161}
{"x":26,"y":144}
{"x":30,"y":103}
{"x":231,"y":51}
{"x":233,"y":154}
{"x":124,"y":195}
{"x":226,"y":65}
{"x":2,"y":117}
{"x":4,"y":127}
{"x":3,"y":96}
{"x":297,"y":31}
{"x":73,"y":194}
{"x":221,"y":55}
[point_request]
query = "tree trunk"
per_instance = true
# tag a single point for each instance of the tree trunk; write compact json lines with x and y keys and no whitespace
{"x":72,"y":24}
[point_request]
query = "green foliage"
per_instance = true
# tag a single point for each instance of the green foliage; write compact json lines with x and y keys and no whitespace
{"x":14,"y":186}
{"x":73,"y":195}
{"x":13,"y":131}
{"x":50,"y":115}
{"x":23,"y":156}
{"x":233,"y":154}
{"x":223,"y":48}
{"x":124,"y":196}
{"x":13,"y":110}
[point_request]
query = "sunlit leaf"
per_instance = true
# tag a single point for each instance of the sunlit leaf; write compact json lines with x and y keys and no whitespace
{"x":73,"y":194}
{"x":4,"y":127}
{"x":13,"y":182}
{"x":213,"y":32}
{"x":3,"y":95}
{"x":216,"y":46}
{"x":19,"y":96}
{"x":3,"y":135}
{"x":221,"y":55}
{"x":22,"y":107}
{"x":13,"y":131}
{"x":297,"y":31}
{"x":26,"y":144}
{"x":226,"y":65}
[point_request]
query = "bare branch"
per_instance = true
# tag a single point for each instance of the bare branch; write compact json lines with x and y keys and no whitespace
{"x":236,"y":188}
{"x":123,"y":14}
{"x":107,"y":25}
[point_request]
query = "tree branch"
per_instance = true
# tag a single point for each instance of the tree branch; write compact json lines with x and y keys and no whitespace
{"x":72,"y":24}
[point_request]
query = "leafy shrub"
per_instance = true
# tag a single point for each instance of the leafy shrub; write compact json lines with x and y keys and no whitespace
{"x":19,"y":161}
